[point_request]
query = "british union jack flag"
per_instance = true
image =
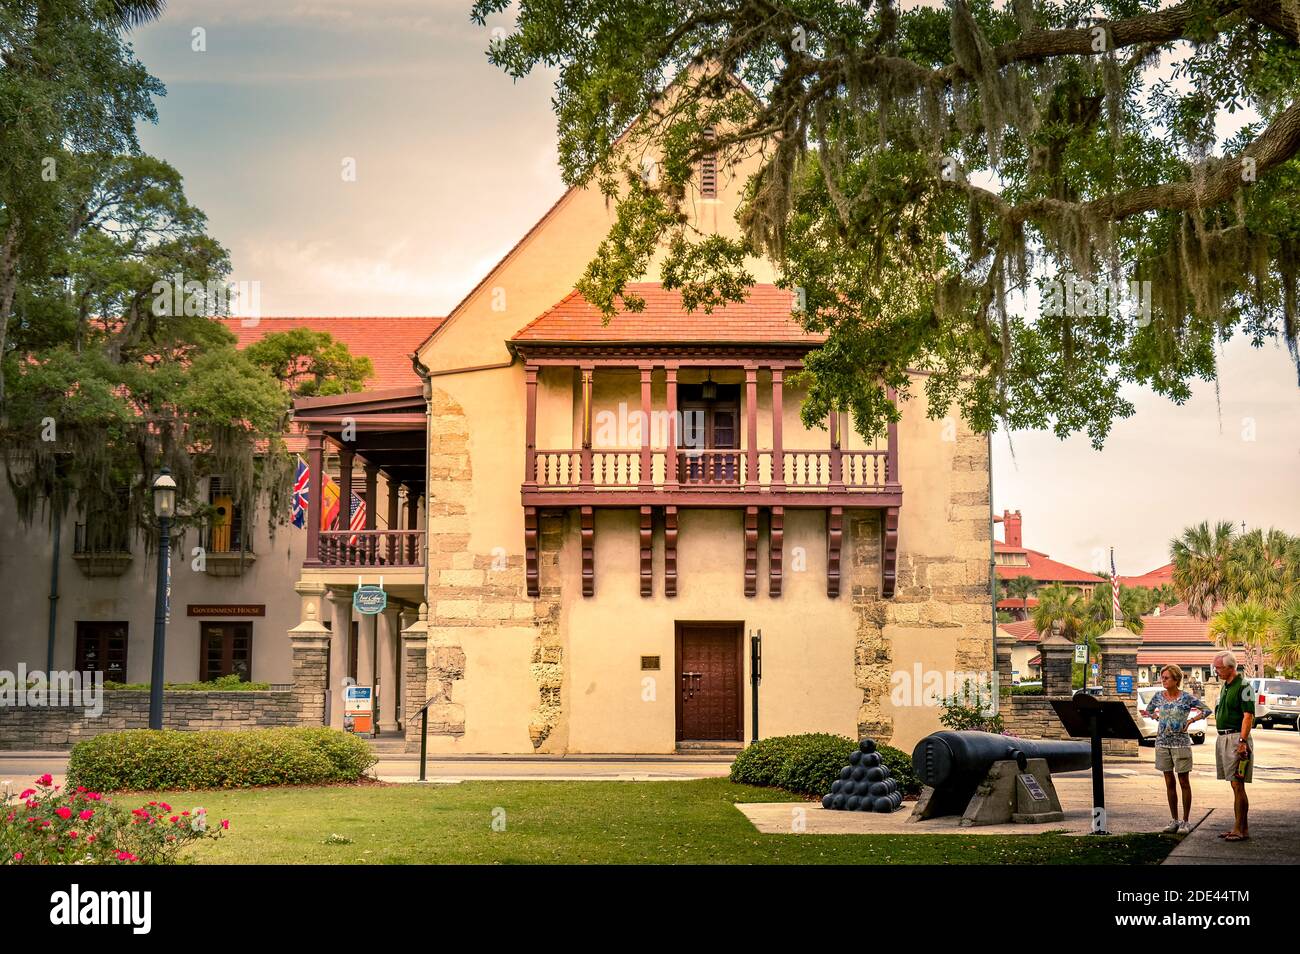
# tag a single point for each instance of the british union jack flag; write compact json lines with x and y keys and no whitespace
{"x":301,"y":484}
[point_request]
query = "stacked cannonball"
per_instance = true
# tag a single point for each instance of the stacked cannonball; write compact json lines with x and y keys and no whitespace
{"x":865,"y":784}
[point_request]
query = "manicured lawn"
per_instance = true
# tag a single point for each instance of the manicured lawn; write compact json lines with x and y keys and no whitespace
{"x":584,"y":822}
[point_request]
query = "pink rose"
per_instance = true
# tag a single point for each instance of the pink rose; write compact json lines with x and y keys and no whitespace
{"x":164,"y":806}
{"x":94,"y":796}
{"x":27,"y":793}
{"x":18,"y":856}
{"x":64,"y":812}
{"x":46,"y":779}
{"x":225,"y":823}
{"x":72,"y":834}
{"x":86,"y":814}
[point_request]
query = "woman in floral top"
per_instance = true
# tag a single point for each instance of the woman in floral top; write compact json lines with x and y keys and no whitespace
{"x":1173,"y":709}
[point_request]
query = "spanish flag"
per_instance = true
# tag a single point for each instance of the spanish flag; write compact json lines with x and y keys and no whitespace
{"x":329,"y":503}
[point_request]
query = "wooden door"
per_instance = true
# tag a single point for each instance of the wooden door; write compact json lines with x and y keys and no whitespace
{"x":709,"y":682}
{"x":101,"y":647}
{"x":226,"y":649}
{"x":708,"y":428}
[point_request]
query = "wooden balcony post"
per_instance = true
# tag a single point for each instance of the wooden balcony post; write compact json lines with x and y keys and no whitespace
{"x":670,"y":452}
{"x":412,"y":522}
{"x":585,"y":478}
{"x":646,"y":483}
{"x":394,"y":519}
{"x":530,"y":432}
{"x":372,"y":479}
{"x":891,"y":454}
{"x":752,"y":481}
{"x":316,"y":463}
{"x":344,"y":520}
{"x":778,"y":411}
{"x":837,"y":454}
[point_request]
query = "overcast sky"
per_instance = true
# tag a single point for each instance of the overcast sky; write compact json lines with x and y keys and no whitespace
{"x":454,"y":161}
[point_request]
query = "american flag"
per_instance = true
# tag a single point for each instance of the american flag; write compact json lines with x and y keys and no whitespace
{"x":301,"y":484}
{"x":1114,"y":591}
{"x":358,"y":518}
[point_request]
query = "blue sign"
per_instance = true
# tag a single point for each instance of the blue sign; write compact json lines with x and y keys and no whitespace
{"x":1123,"y":685}
{"x":369,"y":600}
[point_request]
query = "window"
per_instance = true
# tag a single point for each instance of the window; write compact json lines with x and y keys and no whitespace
{"x":101,"y":647}
{"x":710,"y":433}
{"x":106,"y":529}
{"x":709,"y":169}
{"x":225,"y":531}
{"x":225,"y":649}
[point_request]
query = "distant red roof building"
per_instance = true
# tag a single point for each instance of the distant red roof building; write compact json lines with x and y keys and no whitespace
{"x":766,"y":316}
{"x":387,"y":341}
{"x":1161,"y":576}
{"x":1013,"y":559}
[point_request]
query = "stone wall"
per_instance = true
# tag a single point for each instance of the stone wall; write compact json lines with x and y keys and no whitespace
{"x":1032,"y":717}
{"x":59,"y":726}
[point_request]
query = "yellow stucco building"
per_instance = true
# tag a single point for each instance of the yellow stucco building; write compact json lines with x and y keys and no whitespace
{"x":610,"y":514}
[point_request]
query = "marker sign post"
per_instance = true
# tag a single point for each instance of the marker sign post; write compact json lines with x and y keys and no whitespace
{"x":1081,"y":652}
{"x":358,"y":709}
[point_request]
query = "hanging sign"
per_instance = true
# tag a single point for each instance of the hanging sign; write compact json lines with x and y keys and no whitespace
{"x":369,"y":600}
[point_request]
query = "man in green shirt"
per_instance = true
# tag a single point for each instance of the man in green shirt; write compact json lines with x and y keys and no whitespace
{"x":1233,"y":718}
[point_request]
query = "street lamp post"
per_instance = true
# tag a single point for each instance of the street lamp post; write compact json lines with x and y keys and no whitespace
{"x":164,"y":506}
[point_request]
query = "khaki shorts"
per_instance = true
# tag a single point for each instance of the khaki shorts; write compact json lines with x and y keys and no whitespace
{"x":1225,"y":756}
{"x":1174,"y":758}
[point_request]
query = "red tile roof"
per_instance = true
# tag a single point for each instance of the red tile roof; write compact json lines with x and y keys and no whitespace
{"x":1175,"y":629}
{"x":1022,"y":629}
{"x":764,"y":317}
{"x":1042,"y":568}
{"x":1160,"y":576}
{"x":386,"y":341}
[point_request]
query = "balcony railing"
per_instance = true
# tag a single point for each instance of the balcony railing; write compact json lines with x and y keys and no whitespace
{"x":713,"y":470}
{"x":101,"y":538}
{"x":395,"y":548}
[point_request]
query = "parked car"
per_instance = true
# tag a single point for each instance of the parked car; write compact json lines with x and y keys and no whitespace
{"x":1091,"y":690}
{"x":1277,"y":701}
{"x":1149,"y":727}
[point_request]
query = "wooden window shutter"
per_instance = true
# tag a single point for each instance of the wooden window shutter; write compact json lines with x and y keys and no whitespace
{"x":709,"y":169}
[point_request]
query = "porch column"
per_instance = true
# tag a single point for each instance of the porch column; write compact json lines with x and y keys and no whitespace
{"x":751,"y":427}
{"x":389,"y":693}
{"x":530,"y":432}
{"x":778,"y":412}
{"x":585,"y":478}
{"x":394,"y":521}
{"x":837,"y":458}
{"x":670,"y":451}
{"x":340,"y":598}
{"x":366,"y":639}
{"x":413,"y":522}
{"x":310,"y":647}
{"x":372,"y":484}
{"x":345,"y":487}
{"x":316,"y":463}
{"x":891,"y":454}
{"x":647,"y":474}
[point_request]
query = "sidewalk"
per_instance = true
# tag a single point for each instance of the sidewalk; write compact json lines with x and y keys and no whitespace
{"x":1274,"y":834}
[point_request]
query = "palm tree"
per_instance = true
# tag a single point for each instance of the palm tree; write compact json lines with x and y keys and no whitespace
{"x":1248,"y":625}
{"x":133,"y":13}
{"x":1134,"y":602}
{"x":1059,"y":605}
{"x":1164,"y":595}
{"x":1259,"y":570}
{"x":1285,"y":647}
{"x":1021,"y":588}
{"x":1200,"y":558}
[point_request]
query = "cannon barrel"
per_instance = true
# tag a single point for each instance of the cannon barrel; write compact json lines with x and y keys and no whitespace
{"x":945,"y":758}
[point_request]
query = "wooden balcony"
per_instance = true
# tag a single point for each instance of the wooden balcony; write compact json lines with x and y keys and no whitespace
{"x":711,"y":477}
{"x":370,"y":548}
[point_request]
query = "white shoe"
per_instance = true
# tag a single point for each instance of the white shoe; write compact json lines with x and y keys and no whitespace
{"x":1184,"y":828}
{"x":1171,"y":828}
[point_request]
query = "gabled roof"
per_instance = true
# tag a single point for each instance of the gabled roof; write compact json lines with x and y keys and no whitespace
{"x":388,"y":342}
{"x":764,"y":317}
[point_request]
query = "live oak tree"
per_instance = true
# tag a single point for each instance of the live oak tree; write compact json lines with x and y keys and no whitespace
{"x":1036,"y":202}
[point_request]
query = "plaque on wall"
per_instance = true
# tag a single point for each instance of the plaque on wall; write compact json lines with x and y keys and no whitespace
{"x":221,"y":610}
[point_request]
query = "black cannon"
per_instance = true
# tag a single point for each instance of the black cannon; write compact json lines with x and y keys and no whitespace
{"x":954,"y":763}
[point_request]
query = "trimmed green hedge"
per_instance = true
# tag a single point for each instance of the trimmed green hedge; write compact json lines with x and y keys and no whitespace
{"x":1026,"y":690}
{"x":220,"y":684}
{"x":147,"y":760}
{"x":808,"y":764}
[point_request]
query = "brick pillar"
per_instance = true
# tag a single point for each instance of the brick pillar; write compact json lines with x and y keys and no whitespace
{"x":1003,"y":644}
{"x":1057,"y":664}
{"x":1119,"y":649}
{"x":310,"y":645}
{"x":415,"y":674}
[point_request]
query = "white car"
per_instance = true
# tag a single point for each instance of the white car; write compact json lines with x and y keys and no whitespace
{"x":1149,"y":727}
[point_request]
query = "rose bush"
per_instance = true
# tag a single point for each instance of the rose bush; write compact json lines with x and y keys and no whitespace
{"x":47,"y":824}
